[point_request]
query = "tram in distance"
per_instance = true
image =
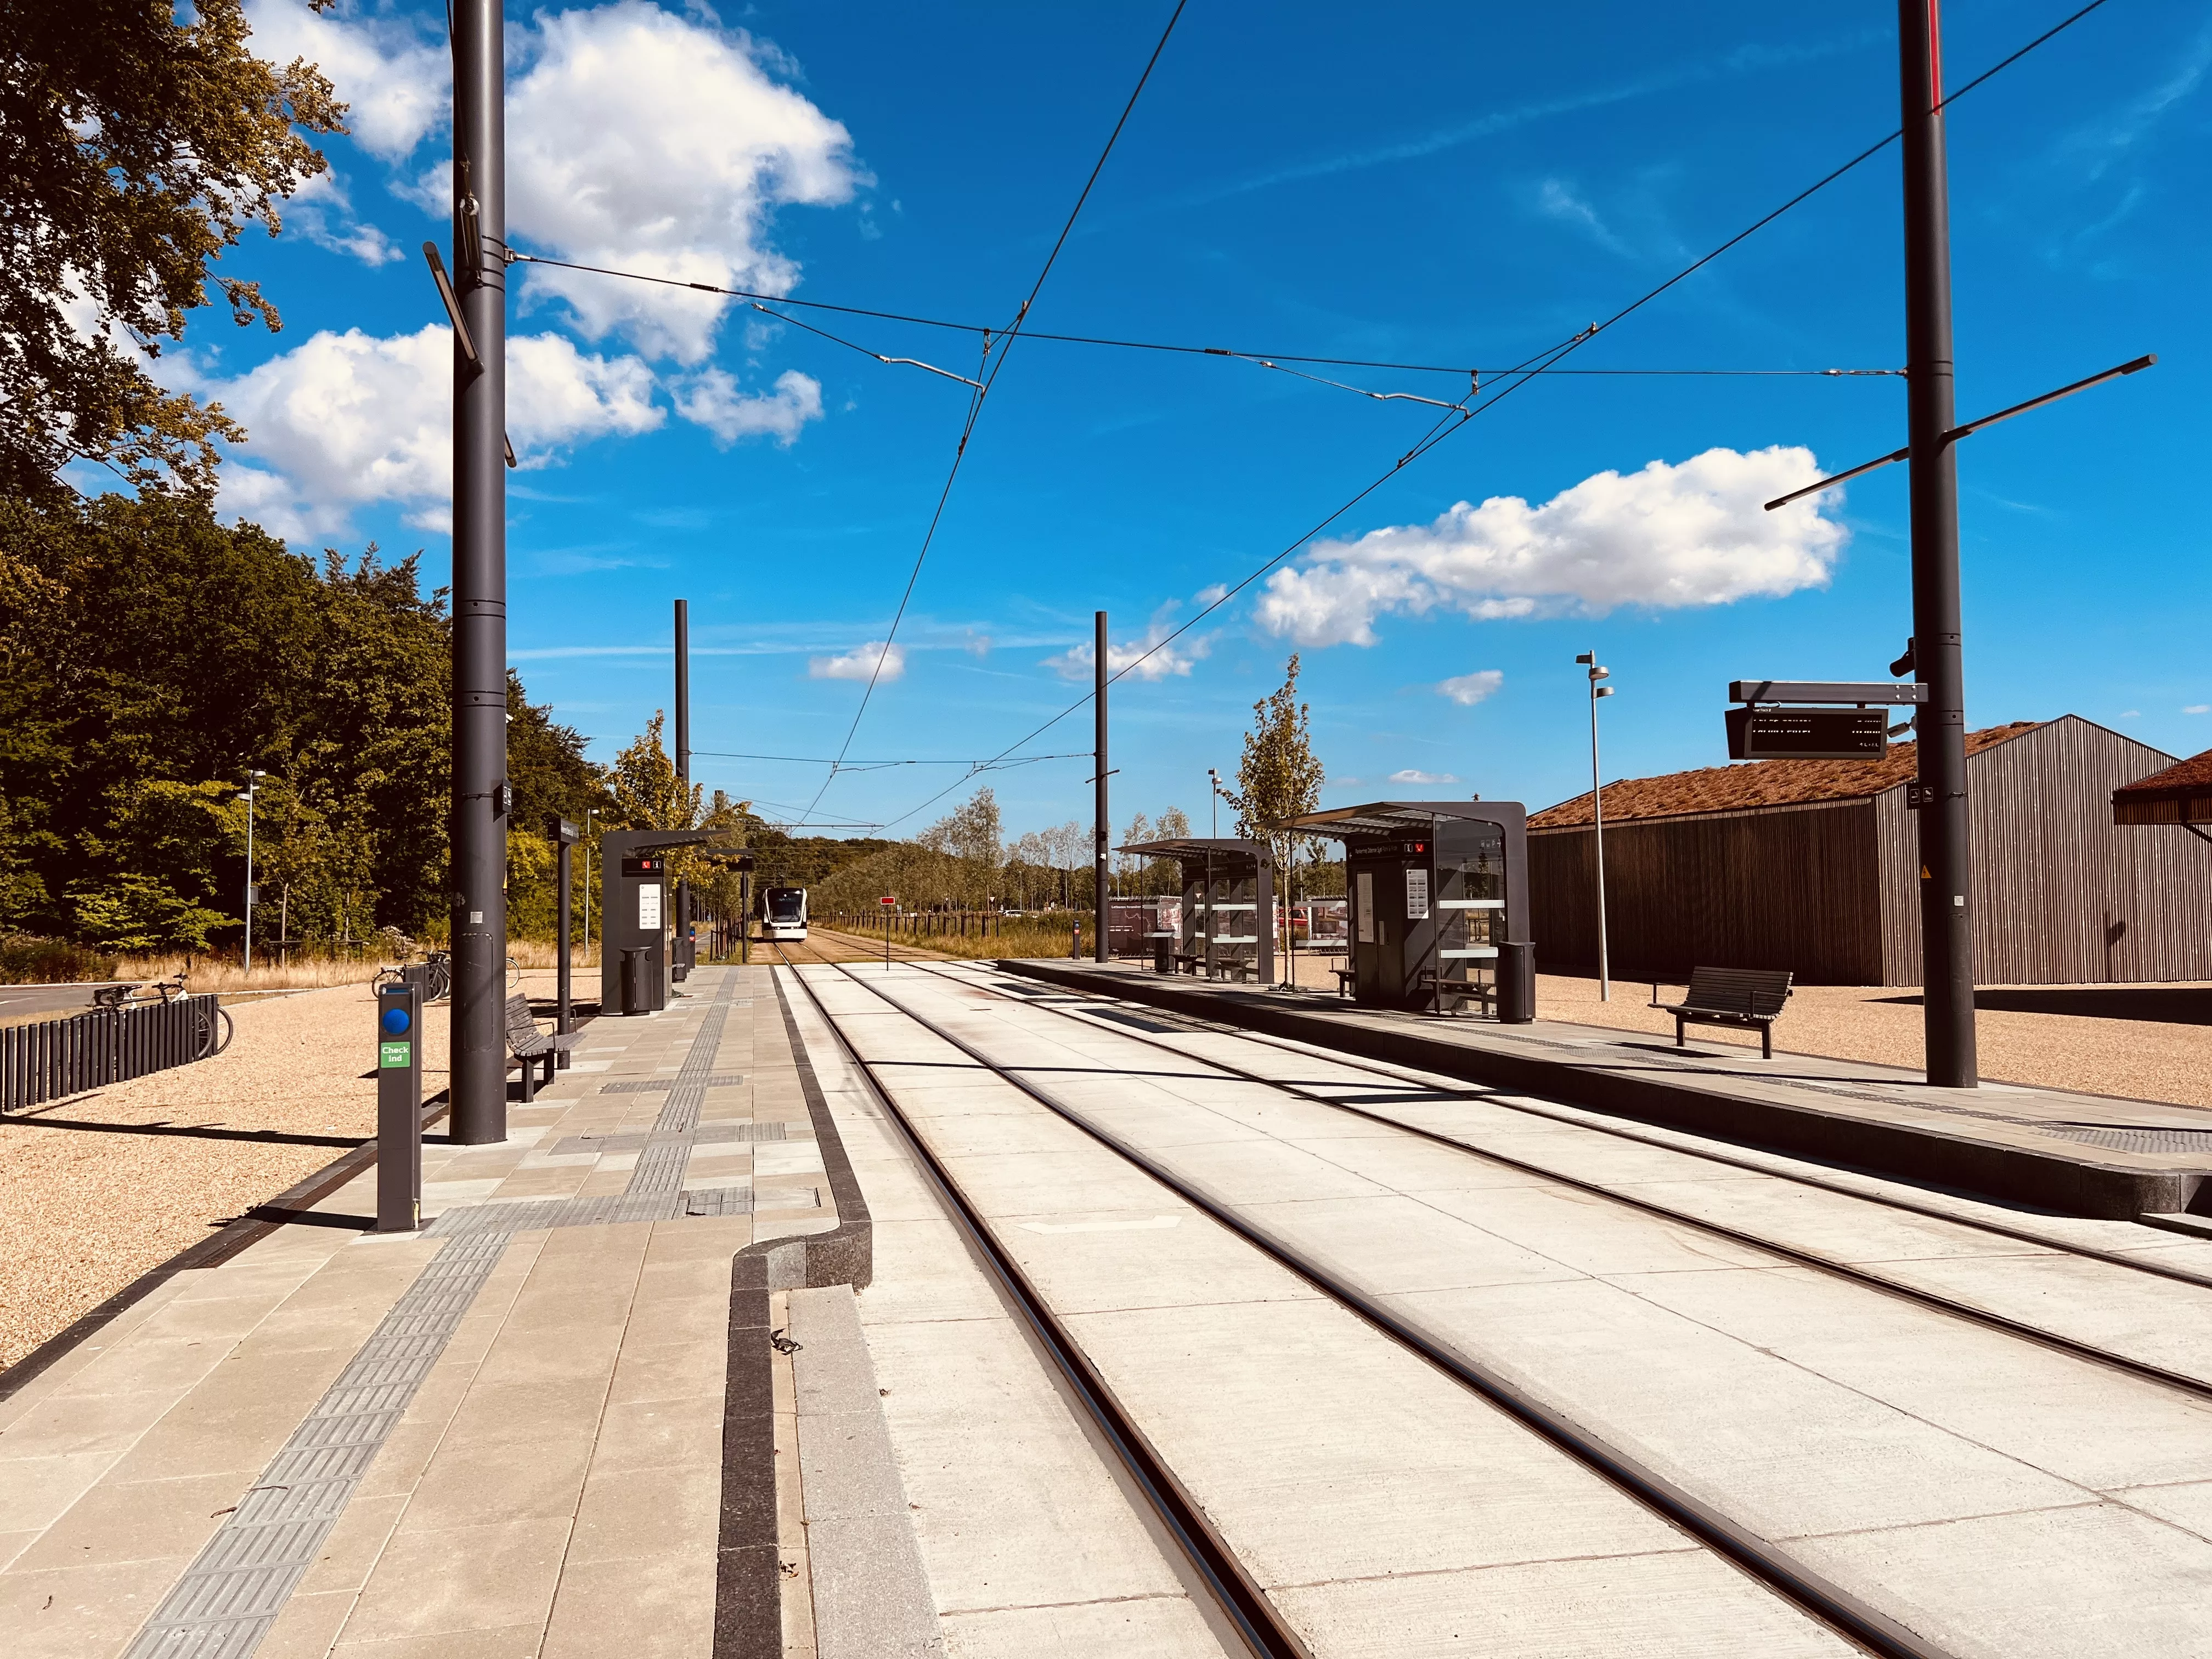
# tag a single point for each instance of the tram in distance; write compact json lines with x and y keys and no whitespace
{"x":783,"y":912}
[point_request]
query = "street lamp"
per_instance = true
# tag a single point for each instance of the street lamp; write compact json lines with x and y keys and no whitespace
{"x":252,"y":779}
{"x":1589,"y":658}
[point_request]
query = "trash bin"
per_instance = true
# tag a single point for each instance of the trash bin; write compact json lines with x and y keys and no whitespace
{"x":1517,"y":982}
{"x":636,"y":964}
{"x":1163,"y":954}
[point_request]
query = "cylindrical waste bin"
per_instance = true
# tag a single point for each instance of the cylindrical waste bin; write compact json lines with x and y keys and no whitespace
{"x":636,"y":964}
{"x":1517,"y":982}
{"x":1163,"y":955}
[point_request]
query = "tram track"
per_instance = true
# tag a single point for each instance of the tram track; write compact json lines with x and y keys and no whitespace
{"x":1242,"y":1600}
{"x":1238,"y":1598}
{"x":1687,"y":1144}
{"x":2145,"y":1370}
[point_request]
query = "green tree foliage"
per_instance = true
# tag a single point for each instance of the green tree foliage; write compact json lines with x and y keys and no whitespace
{"x":971,"y":830}
{"x":165,"y":656}
{"x":137,"y":140}
{"x":1280,"y":776}
{"x":140,"y":915}
{"x":552,"y":778}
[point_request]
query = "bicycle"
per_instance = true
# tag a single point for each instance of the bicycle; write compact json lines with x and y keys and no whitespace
{"x":437,"y":975}
{"x":216,"y":1027}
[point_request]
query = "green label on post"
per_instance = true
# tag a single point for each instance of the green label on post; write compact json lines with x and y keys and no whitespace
{"x":394,"y":1053}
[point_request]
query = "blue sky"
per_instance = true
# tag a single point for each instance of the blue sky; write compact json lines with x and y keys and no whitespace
{"x":1440,"y":185}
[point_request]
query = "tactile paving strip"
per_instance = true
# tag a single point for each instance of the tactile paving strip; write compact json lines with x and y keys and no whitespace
{"x":648,"y":1085}
{"x":232,"y":1591}
{"x":707,"y":1134}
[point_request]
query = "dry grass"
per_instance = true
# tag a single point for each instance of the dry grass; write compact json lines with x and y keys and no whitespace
{"x":309,"y":973}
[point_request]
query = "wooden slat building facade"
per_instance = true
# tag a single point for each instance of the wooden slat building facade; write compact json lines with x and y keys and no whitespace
{"x":1813,"y":865}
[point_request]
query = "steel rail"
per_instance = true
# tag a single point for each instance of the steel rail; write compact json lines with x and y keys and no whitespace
{"x":2143,"y":1370}
{"x":1465,"y":1091}
{"x":1811,"y":1593}
{"x":1241,"y":1600}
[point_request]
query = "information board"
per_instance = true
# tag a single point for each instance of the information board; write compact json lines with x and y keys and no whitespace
{"x":1808,"y":734}
{"x":1417,"y":896}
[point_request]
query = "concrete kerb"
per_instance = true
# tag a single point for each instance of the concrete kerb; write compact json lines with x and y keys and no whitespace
{"x":1923,"y":1154}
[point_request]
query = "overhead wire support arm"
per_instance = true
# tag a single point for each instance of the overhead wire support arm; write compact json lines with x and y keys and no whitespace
{"x":1967,"y":430}
{"x":916,"y":362}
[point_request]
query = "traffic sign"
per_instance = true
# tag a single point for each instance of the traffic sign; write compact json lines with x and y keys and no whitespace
{"x":887,"y":900}
{"x":1808,"y":734}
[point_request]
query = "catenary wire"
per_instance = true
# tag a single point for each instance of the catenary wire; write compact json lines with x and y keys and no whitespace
{"x":1170,"y":346}
{"x":1524,"y":374}
{"x":990,"y":374}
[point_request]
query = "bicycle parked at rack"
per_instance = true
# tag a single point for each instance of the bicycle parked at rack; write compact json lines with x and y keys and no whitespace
{"x":214,"y":1023}
{"x":438,"y":975}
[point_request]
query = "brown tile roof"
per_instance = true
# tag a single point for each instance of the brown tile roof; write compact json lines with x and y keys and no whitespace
{"x":1758,"y":783}
{"x":2190,"y":777}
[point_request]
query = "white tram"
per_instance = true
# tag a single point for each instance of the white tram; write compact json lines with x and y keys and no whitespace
{"x":783,"y":913}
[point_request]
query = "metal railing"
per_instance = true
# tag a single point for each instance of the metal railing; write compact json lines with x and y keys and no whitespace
{"x":59,"y":1057}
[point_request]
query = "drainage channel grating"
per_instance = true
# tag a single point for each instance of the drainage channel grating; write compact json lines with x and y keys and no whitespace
{"x":2134,"y":1140}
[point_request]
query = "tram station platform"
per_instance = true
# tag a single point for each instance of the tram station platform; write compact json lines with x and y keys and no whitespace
{"x":2078,"y":1154}
{"x":562,"y":1418}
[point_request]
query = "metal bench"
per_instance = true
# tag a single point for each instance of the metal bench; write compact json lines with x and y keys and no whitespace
{"x":1733,"y":996}
{"x":527,"y":1044}
{"x":1344,"y":979}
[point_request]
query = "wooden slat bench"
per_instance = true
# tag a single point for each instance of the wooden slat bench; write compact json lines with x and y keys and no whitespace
{"x":527,"y":1044}
{"x":1733,"y":996}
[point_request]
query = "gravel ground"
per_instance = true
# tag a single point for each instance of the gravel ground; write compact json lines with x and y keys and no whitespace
{"x":96,"y":1189}
{"x":2141,"y":1059}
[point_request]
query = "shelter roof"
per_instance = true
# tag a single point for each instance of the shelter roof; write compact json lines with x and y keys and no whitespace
{"x":1196,"y":847}
{"x":1750,"y":784}
{"x":1396,"y":818}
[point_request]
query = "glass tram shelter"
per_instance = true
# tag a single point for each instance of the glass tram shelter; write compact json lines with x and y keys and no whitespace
{"x":1439,"y":892}
{"x":1226,"y":927}
{"x":637,"y":942}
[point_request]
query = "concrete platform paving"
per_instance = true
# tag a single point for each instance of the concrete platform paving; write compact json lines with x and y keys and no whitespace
{"x":505,"y":1434}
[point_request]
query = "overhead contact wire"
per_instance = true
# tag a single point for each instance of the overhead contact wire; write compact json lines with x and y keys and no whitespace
{"x":1523,"y":374}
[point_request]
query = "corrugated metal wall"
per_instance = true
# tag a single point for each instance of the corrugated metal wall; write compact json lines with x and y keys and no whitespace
{"x":1790,"y":887}
{"x":2062,"y":895}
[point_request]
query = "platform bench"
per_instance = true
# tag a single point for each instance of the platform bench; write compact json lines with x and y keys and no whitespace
{"x":527,"y":1044}
{"x":1733,"y":996}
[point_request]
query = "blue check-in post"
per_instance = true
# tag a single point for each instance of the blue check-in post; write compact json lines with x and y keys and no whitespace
{"x":399,"y":1107}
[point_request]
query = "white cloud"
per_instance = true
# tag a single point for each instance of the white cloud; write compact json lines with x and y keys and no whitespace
{"x":1146,"y":657}
{"x":2197,"y":709}
{"x":1468,"y":689}
{"x":322,"y":210}
{"x":1692,"y":534}
{"x":1413,"y":775}
{"x":2131,"y":713}
{"x":653,"y":143}
{"x":711,"y":399}
{"x":399,"y":85}
{"x":1555,"y":200}
{"x":346,"y":419}
{"x":859,"y":664}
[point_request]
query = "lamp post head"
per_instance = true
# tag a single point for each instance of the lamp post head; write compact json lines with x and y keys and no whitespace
{"x":1603,"y":691}
{"x":1586,"y":657}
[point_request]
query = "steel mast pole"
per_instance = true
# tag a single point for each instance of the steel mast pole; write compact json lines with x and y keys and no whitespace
{"x":1946,"y":939}
{"x":1597,"y":840}
{"x":479,"y":825}
{"x":684,"y":953}
{"x":1101,"y":833}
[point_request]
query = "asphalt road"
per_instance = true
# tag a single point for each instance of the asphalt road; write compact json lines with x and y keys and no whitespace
{"x":20,"y":1002}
